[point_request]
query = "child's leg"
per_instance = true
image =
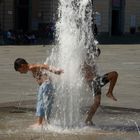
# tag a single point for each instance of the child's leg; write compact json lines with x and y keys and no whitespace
{"x":48,"y":107}
{"x":112,"y":77}
{"x":38,"y":123}
{"x":48,"y":98}
{"x":40,"y":115}
{"x":93,"y":109}
{"x":40,"y":120}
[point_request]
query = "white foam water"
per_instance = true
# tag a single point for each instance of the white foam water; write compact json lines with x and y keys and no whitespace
{"x":75,"y":38}
{"x":59,"y":130}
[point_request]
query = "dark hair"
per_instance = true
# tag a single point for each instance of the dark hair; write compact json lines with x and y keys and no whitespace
{"x":18,"y":62}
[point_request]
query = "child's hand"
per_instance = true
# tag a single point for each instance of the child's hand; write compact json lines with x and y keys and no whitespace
{"x":59,"y":71}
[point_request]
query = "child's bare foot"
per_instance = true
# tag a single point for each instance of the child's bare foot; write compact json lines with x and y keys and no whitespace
{"x":36,"y":125}
{"x":110,"y":95}
{"x":89,"y":123}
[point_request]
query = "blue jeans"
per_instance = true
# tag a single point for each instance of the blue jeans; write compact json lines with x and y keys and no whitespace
{"x":44,"y":99}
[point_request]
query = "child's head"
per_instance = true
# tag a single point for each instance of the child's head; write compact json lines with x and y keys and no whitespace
{"x":21,"y":65}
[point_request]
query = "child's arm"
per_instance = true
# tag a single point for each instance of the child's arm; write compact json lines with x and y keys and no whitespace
{"x":49,"y":68}
{"x":55,"y":70}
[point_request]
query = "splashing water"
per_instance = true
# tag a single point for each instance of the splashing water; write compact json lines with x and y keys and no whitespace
{"x":136,"y":125}
{"x":75,"y":39}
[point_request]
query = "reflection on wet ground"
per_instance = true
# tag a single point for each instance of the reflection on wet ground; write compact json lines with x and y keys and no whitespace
{"x":110,"y":124}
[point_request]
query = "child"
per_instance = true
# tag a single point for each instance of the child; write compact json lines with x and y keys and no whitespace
{"x":45,"y":92}
{"x":95,"y":83}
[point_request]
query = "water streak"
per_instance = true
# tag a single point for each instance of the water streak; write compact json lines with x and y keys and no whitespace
{"x":136,"y":125}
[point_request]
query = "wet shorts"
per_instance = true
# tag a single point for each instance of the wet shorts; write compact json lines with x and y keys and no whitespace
{"x":44,"y":99}
{"x":98,"y":82}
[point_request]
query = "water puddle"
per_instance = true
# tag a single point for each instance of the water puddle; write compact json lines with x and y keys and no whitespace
{"x":117,"y":124}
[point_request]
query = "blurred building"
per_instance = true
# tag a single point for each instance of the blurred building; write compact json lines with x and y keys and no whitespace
{"x":26,"y":14}
{"x":117,"y":17}
{"x":113,"y":17}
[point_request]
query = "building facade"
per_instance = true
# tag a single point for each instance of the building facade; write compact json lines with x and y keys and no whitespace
{"x":26,"y":14}
{"x":117,"y":17}
{"x":113,"y":17}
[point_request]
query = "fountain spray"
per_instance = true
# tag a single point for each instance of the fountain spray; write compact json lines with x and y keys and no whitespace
{"x":74,"y":33}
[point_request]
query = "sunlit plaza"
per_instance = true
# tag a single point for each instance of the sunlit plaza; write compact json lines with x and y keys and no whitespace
{"x":81,"y":79}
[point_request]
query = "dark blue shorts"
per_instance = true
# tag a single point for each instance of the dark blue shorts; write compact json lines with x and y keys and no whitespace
{"x":98,"y":82}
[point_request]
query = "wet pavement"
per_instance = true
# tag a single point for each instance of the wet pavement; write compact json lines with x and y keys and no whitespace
{"x":110,"y":124}
{"x":113,"y":121}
